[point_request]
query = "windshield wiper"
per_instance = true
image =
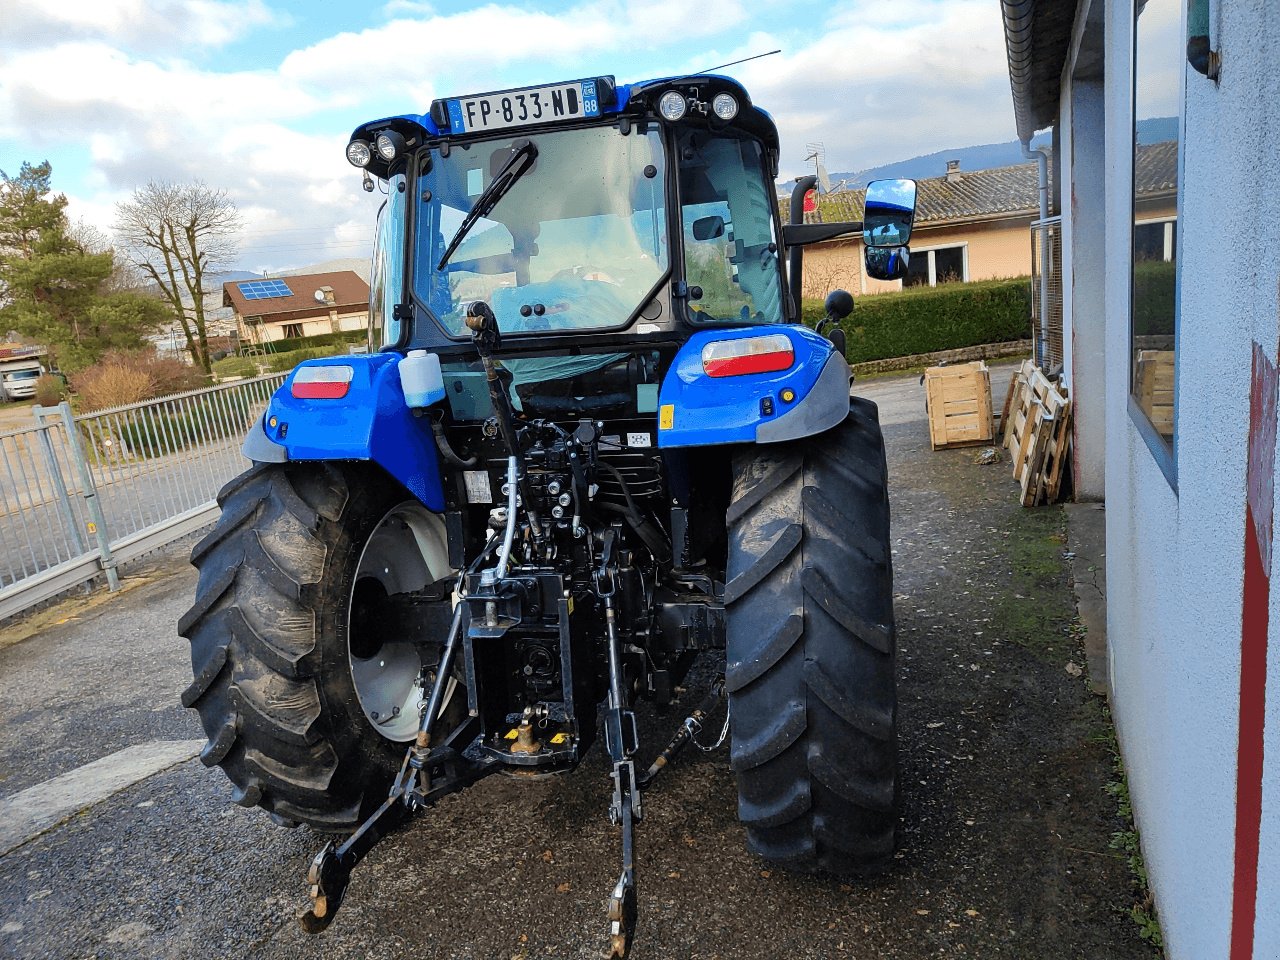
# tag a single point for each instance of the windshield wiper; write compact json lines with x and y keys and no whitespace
{"x":520,"y":163}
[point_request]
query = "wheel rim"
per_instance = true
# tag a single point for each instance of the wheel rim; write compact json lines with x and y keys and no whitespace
{"x":406,"y":551}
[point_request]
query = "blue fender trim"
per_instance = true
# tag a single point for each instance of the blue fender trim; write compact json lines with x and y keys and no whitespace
{"x":370,"y":423}
{"x":697,"y":410}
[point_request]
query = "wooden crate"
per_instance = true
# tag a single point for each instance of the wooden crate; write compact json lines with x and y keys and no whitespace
{"x":958,"y":399}
{"x":1153,"y":386}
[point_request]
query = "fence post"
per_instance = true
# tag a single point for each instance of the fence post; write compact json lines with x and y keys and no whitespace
{"x":97,"y":523}
{"x":59,"y":485}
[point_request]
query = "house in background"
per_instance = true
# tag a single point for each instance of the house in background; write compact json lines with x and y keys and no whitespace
{"x":306,"y":305}
{"x":1170,"y":290}
{"x":969,"y":226}
{"x":973,"y":225}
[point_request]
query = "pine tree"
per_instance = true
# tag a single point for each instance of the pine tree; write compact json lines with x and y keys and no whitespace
{"x":54,"y":290}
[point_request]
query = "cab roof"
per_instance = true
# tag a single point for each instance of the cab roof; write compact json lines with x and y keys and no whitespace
{"x":638,"y":100}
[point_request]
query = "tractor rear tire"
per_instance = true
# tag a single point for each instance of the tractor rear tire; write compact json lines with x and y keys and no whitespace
{"x":811,"y":650}
{"x":273,"y":668}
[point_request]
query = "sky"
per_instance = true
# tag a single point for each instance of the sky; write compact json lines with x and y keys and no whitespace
{"x":259,"y":97}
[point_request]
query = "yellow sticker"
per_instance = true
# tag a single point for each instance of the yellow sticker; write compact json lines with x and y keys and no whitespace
{"x":511,"y":734}
{"x":560,"y":738}
{"x":666,"y":416}
{"x":92,"y":527}
{"x":571,"y":604}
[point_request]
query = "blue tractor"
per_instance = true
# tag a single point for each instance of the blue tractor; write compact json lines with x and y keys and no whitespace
{"x":590,"y":443}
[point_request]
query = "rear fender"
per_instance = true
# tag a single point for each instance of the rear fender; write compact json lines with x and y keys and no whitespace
{"x":695,"y":409}
{"x":370,"y":423}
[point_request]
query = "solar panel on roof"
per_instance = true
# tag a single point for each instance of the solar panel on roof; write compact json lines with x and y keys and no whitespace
{"x":264,"y":289}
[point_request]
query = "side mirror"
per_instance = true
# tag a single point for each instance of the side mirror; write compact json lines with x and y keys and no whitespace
{"x":708,"y":228}
{"x":889,"y":213}
{"x":888,"y":263}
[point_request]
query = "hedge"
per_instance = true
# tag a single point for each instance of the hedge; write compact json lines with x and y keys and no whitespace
{"x":926,"y":319}
{"x":320,"y":340}
{"x":1154,"y":297}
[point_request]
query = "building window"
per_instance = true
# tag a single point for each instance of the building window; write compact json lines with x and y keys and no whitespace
{"x":1159,"y":69}
{"x":928,"y":268}
{"x":1155,"y":240}
{"x":292,"y":330}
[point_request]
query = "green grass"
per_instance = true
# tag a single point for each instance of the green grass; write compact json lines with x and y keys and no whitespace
{"x":1129,"y":844}
{"x":230,"y":367}
{"x":1021,"y":612}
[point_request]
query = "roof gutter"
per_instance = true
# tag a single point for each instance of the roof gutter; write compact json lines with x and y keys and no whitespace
{"x":1018,"y":17}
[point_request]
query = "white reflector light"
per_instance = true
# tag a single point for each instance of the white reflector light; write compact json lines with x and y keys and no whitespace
{"x":673,"y":105}
{"x":359,"y":153}
{"x":725,"y":106}
{"x":733,"y":358}
{"x":390,"y":144}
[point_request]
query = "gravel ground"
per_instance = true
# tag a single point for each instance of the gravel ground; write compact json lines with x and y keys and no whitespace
{"x":1004,"y":759}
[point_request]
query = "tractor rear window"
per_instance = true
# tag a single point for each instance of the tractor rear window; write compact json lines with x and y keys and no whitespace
{"x":730,"y":250}
{"x":577,"y":242}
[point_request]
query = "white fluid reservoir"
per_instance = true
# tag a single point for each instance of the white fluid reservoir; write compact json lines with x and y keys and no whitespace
{"x":421,"y":379}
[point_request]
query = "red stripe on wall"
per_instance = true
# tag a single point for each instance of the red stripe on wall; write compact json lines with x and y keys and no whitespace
{"x":1259,"y":496}
{"x":1253,"y":689}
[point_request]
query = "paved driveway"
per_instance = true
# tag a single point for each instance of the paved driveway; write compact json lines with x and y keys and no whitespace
{"x":1004,"y":757}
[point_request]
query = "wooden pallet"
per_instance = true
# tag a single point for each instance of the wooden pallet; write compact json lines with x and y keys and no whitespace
{"x":958,"y":399}
{"x":1037,"y":434}
{"x":1008,"y":411}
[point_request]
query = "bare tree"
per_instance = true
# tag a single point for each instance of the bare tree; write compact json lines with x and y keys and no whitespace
{"x":178,"y":234}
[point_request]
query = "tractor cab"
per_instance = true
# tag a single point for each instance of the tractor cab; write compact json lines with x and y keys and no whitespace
{"x":582,"y":212}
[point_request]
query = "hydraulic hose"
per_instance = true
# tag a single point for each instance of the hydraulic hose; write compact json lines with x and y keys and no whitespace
{"x":446,"y":450}
{"x":504,"y":553}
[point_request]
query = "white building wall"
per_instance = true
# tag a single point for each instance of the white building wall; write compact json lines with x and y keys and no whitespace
{"x":1175,"y":548}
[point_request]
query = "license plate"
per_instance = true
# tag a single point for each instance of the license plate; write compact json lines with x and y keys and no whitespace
{"x":522,"y":108}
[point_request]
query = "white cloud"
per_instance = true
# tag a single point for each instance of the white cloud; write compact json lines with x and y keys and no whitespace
{"x":885,"y":81}
{"x":144,"y":25}
{"x":405,"y":54}
{"x":412,"y":8}
{"x":874,"y":81}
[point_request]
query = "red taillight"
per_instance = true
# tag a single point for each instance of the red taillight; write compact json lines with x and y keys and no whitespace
{"x":733,"y":358}
{"x":329,"y":382}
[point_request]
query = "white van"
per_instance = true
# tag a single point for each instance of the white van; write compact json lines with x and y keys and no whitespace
{"x":18,"y":378}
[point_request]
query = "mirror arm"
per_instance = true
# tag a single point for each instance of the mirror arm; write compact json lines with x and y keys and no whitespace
{"x":801,"y":234}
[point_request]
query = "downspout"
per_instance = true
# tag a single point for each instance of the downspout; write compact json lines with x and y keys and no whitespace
{"x":1041,"y":156}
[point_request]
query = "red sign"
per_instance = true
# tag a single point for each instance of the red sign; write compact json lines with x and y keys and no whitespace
{"x":811,"y":201}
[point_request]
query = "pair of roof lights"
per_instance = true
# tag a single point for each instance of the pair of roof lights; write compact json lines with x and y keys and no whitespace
{"x":389,"y":144}
{"x":673,"y":105}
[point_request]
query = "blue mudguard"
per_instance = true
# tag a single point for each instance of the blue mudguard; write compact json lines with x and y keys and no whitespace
{"x":370,"y":423}
{"x":695,"y":409}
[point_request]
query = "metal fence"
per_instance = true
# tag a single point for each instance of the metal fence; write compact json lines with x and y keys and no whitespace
{"x":1046,"y":291}
{"x":81,"y":495}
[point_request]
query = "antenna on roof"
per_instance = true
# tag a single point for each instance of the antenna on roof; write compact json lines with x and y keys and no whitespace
{"x":734,"y":63}
{"x":818,"y":154}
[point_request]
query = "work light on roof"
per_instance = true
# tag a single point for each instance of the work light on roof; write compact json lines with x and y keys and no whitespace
{"x":390,"y":145}
{"x":673,"y":105}
{"x":725,"y":106}
{"x":359,"y":153}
